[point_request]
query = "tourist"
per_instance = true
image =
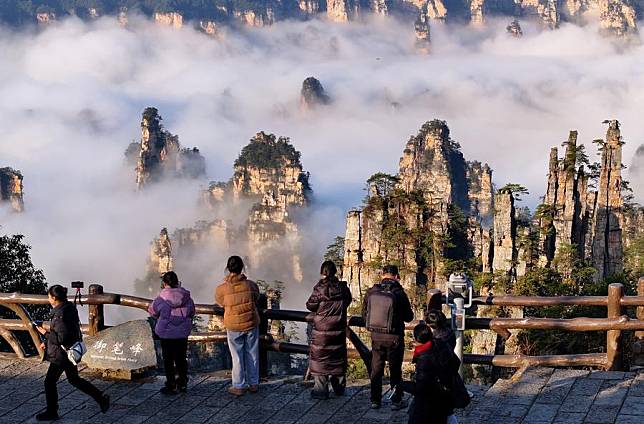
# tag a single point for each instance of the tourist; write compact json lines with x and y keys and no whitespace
{"x":239,"y":296}
{"x":436,"y":368}
{"x":174,"y":310}
{"x":441,"y":328}
{"x":328,"y":358}
{"x":64,"y":332}
{"x":386,"y":308}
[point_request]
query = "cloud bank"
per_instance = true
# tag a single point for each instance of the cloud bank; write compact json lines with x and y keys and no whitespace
{"x":71,"y":98}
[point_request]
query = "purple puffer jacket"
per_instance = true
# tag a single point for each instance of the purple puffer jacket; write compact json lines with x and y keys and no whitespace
{"x":174,"y":309}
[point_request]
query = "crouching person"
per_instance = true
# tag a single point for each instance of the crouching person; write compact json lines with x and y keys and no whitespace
{"x":174,"y":310}
{"x":239,"y":296}
{"x":329,"y":302}
{"x":437,"y":387}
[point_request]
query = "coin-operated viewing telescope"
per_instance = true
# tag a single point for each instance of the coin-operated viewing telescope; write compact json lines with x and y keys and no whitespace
{"x":459,"y":298}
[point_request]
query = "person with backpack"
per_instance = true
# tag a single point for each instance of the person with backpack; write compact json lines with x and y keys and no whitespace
{"x":64,"y":332}
{"x":437,"y":387}
{"x":174,"y":310}
{"x":386,"y":309}
{"x":328,"y":357}
{"x":239,"y":297}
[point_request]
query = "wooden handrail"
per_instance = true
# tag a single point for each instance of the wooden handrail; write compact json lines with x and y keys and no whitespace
{"x":615,"y":322}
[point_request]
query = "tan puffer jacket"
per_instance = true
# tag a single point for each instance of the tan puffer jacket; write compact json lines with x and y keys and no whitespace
{"x":238,"y":296}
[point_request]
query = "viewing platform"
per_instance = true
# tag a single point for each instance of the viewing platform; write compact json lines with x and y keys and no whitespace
{"x":538,"y":395}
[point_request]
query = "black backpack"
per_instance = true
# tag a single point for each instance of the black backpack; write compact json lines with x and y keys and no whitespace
{"x":380,"y":313}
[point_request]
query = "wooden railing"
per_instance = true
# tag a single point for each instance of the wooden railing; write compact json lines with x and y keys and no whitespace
{"x":615,"y":322}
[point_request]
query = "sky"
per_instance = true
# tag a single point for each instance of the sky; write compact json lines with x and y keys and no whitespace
{"x":71,"y":98}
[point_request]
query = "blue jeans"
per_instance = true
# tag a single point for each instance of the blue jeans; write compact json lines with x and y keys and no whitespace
{"x":244,"y":350}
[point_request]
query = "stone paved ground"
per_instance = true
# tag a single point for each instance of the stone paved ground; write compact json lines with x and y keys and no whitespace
{"x":538,"y":396}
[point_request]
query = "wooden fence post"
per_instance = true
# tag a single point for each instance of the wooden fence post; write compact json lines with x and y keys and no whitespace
{"x":263,"y":331}
{"x":640,"y":309}
{"x":96,"y":316}
{"x":614,"y":352}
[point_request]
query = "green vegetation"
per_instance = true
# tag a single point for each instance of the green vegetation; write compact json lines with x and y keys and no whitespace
{"x":517,"y":190}
{"x":18,"y":274}
{"x":335,"y":252}
{"x":268,"y":152}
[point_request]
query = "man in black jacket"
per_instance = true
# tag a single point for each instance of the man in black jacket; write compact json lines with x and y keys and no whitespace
{"x":387,"y":344}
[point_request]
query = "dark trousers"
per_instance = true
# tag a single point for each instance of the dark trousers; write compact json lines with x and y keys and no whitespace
{"x":53,"y":374}
{"x":174,"y":361}
{"x":321,"y":385}
{"x":392,"y":350}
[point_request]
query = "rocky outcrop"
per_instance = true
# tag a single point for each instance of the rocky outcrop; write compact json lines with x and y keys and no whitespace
{"x":309,"y":7}
{"x":342,"y":10}
{"x":45,"y":18}
{"x":422,"y":30}
{"x":564,"y":214}
{"x":380,"y":7}
{"x":477,"y":12}
{"x":255,"y":18}
{"x":608,"y":219}
{"x":171,"y":19}
{"x":208,"y":27}
{"x":406,"y":218}
{"x":252,"y":214}
{"x":505,"y":234}
{"x":514,"y":29}
{"x":436,"y":10}
{"x":546,"y":11}
{"x":11,"y":190}
{"x":161,"y":254}
{"x":617,"y":17}
{"x":312,"y":94}
{"x":161,"y":155}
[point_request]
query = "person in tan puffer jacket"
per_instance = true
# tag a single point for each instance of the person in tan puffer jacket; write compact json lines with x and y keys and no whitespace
{"x":239,"y":296}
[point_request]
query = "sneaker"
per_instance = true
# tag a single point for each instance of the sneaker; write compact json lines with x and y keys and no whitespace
{"x":104,"y":403}
{"x":182,"y":389}
{"x":396,"y":406}
{"x":375,"y":405}
{"x":168,"y":391}
{"x":47,"y":416}
{"x":253,"y":388}
{"x":237,"y":392}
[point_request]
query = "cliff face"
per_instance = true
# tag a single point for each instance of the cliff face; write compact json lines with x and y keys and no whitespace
{"x":312,"y":94}
{"x":161,"y":155}
{"x":617,"y":17}
{"x":250,"y":214}
{"x":608,"y":218}
{"x":505,"y":233}
{"x":407,"y":218}
{"x":422,"y":30}
{"x":11,"y":190}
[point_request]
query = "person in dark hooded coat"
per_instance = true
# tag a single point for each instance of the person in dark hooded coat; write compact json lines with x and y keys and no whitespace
{"x":328,"y":358}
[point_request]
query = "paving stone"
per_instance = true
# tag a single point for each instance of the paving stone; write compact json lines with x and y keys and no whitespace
{"x":628,"y":419}
{"x":569,"y":418}
{"x":586,"y":386}
{"x":607,"y":375}
{"x":577,"y":404}
{"x":633,"y":405}
{"x":603,"y":414}
{"x":541,"y":413}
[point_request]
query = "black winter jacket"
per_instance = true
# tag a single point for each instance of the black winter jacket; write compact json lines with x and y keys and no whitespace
{"x":435,"y":366}
{"x":329,"y":301}
{"x":64,"y":330}
{"x":402,"y":308}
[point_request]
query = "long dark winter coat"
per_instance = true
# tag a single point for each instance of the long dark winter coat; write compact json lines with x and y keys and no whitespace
{"x":64,"y":331}
{"x":435,"y":364}
{"x":329,"y":300}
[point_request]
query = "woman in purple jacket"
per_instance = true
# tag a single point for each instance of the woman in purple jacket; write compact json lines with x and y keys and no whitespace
{"x":173,"y":309}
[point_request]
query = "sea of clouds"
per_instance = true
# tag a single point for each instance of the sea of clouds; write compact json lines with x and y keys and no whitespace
{"x":71,"y":98}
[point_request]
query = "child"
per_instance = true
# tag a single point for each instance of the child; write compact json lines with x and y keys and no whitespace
{"x":174,"y":309}
{"x":435,"y":367}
